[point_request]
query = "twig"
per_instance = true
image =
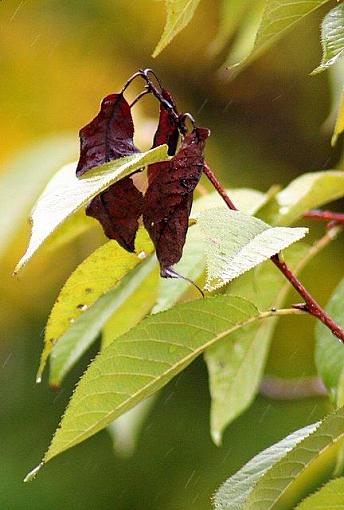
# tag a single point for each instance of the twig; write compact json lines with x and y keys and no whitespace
{"x":331,"y":216}
{"x":311,"y":306}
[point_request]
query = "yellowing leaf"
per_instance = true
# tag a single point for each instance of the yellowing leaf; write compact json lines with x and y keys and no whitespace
{"x":102,"y":270}
{"x":179,"y":15}
{"x":65,"y":193}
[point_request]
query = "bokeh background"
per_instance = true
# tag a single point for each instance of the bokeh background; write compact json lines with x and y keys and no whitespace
{"x":58,"y":58}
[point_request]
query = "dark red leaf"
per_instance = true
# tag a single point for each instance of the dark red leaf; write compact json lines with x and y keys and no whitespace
{"x":107,"y":137}
{"x":168,"y":199}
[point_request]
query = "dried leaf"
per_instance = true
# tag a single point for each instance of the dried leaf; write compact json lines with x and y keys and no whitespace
{"x":107,"y":137}
{"x":168,"y":199}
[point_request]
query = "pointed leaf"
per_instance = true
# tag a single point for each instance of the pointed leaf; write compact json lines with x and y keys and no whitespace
{"x":236,"y":368}
{"x":303,"y":469}
{"x":332,"y":37}
{"x":308,"y":191}
{"x":331,"y":496}
{"x":233,"y":494}
{"x":179,"y":15}
{"x":237,"y":242}
{"x":80,"y":335}
{"x":24,"y":177}
{"x":279,"y":17}
{"x":329,"y":352}
{"x":101,"y":271}
{"x":65,"y":193}
{"x":143,"y":360}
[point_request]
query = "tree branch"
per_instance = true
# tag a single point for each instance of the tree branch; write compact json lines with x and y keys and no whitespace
{"x":311,"y":306}
{"x":316,"y":214}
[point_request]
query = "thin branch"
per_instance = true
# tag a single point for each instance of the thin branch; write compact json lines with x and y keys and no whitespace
{"x":331,"y":216}
{"x":311,"y":306}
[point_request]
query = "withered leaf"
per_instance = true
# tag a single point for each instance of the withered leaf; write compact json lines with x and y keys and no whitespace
{"x":107,"y":137}
{"x":168,"y":199}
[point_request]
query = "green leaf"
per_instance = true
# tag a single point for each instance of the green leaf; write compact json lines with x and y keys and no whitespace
{"x":332,"y":38}
{"x":329,"y":352}
{"x":339,"y":127}
{"x":245,"y":199}
{"x":23,"y":179}
{"x":237,"y":242}
{"x":133,"y":309}
{"x":233,"y":494}
{"x":73,"y":227}
{"x":331,"y":496}
{"x":146,"y":358}
{"x":279,"y":17}
{"x":65,"y":193}
{"x":101,"y":271}
{"x":302,"y":470}
{"x":80,"y":335}
{"x":306,"y":192}
{"x":179,"y":15}
{"x":236,"y":368}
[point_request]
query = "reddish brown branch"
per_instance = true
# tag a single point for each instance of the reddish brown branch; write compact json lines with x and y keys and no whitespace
{"x":310,"y":305}
{"x":315,"y":214}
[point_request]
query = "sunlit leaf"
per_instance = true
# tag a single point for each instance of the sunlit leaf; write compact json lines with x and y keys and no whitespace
{"x":73,"y":227}
{"x":143,"y":360}
{"x":278,"y":17}
{"x":302,"y":470}
{"x":23,"y":179}
{"x":331,"y":496}
{"x":329,"y":352}
{"x":332,"y":37}
{"x":233,"y":494}
{"x":101,"y":271}
{"x":65,"y":193}
{"x":339,"y":126}
{"x":179,"y":15}
{"x":236,"y":242}
{"x":236,"y":367}
{"x":306,"y":192}
{"x":82,"y":333}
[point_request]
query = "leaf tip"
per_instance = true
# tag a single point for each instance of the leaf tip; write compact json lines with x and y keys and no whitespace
{"x":216,"y":436}
{"x":33,"y":473}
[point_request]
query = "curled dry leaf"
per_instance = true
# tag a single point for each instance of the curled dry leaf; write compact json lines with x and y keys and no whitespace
{"x":168,"y":199}
{"x":107,"y":137}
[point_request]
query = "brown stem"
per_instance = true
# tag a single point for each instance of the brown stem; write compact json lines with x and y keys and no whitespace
{"x":310,"y":305}
{"x":315,"y":214}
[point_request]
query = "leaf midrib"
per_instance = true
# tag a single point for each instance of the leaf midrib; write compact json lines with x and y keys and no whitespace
{"x":188,"y":358}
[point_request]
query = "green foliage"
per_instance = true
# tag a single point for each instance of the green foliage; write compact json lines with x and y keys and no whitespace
{"x":145,"y":359}
{"x":304,"y":468}
{"x":179,"y":15}
{"x":236,"y":367}
{"x":329,"y":353}
{"x":329,"y":496}
{"x":234,"y":493}
{"x":332,"y":37}
{"x":117,"y":305}
{"x":237,"y":242}
{"x":101,"y":271}
{"x":65,"y":194}
{"x":305,"y":192}
{"x":278,"y":17}
{"x":25,"y":177}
